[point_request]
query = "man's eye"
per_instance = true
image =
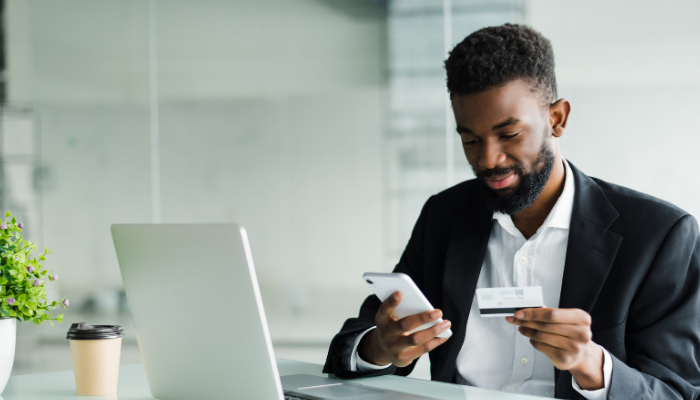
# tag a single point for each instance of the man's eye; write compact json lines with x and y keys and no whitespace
{"x":468,"y":142}
{"x":509,"y":136}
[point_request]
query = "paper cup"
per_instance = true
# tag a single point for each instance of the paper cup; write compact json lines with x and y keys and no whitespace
{"x":95,"y":351}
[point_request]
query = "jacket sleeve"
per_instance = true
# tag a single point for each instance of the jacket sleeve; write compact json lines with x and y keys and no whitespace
{"x":338,"y":359}
{"x":662,"y":338}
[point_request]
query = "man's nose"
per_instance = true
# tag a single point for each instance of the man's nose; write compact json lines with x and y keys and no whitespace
{"x":491,"y":156}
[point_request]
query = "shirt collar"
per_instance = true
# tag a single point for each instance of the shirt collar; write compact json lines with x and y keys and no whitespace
{"x":560,"y":216}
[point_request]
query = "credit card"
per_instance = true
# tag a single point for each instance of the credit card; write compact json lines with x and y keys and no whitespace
{"x":505,"y":301}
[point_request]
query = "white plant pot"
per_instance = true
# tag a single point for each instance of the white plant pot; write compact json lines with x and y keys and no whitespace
{"x":8,"y":337}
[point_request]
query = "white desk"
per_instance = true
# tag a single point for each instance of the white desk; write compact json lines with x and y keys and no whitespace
{"x":133,"y":385}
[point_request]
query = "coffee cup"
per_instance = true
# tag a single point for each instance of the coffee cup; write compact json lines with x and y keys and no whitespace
{"x":95,"y":350}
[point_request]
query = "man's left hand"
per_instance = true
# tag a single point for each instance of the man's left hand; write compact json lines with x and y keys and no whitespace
{"x":564,"y":335}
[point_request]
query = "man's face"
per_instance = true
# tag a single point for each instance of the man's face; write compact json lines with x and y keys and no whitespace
{"x":506,"y":135}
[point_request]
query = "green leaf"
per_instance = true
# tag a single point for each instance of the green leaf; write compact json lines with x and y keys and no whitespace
{"x":14,"y":221}
{"x":7,"y":213}
{"x":36,"y":321}
{"x":59,"y":318}
{"x":44,"y":273}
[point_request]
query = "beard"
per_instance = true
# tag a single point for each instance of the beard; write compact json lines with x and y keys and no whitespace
{"x":530,"y":186}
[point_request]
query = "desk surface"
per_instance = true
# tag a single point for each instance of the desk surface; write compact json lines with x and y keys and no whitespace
{"x":133,"y":385}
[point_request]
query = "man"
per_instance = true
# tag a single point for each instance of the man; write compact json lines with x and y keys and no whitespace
{"x":619,"y":270}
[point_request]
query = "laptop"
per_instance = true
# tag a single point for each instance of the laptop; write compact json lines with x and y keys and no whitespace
{"x":199,"y":318}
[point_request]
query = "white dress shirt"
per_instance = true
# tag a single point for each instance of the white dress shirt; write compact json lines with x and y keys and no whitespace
{"x":494,"y":354}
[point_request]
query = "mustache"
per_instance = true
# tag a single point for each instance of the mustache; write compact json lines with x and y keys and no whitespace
{"x":487,"y":173}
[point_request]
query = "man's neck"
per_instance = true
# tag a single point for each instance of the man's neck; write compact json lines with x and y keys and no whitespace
{"x":529,"y":220}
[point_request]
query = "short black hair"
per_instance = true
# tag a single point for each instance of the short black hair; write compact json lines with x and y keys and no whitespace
{"x":496,"y":55}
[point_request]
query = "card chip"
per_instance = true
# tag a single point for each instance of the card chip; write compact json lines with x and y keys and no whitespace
{"x":518,"y":292}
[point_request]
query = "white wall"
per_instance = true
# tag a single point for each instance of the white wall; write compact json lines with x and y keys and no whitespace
{"x":97,"y":51}
{"x":77,"y":51}
{"x":632,"y":73}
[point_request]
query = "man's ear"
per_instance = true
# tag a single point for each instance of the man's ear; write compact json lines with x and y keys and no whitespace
{"x":558,"y":116}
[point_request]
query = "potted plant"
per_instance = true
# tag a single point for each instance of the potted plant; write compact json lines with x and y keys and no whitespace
{"x":22,"y":290}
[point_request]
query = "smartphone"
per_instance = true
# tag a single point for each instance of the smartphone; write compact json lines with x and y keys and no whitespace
{"x":412,"y":299}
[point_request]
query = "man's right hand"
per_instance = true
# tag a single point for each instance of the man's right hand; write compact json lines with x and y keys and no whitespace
{"x":390,"y":341}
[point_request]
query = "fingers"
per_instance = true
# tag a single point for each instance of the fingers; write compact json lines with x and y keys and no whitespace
{"x":554,"y":353}
{"x":391,"y":334}
{"x":388,"y":305}
{"x":575,"y":332}
{"x":551,"y":339}
{"x":411,"y":353}
{"x":563,"y":335}
{"x":412,"y":322}
{"x":565,"y":359}
{"x":424,"y":336}
{"x":402,"y":349}
{"x":561,"y":328}
{"x":554,"y":315}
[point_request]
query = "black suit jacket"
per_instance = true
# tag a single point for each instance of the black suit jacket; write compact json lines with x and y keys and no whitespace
{"x":632,"y":262}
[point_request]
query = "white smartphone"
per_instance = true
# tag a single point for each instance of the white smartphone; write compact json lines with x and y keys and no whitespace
{"x":412,"y":299}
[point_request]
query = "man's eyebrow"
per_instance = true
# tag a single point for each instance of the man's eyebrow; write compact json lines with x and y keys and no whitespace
{"x":510,"y":121}
{"x":461,"y":129}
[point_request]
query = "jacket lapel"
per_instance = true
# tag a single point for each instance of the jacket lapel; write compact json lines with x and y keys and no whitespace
{"x":469,"y":237}
{"x":592,"y":248}
{"x":590,"y":253}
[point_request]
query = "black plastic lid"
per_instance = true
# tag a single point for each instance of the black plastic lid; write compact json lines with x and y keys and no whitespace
{"x":84,"y":331}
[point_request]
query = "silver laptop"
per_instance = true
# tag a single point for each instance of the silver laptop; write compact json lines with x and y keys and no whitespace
{"x":199,"y":318}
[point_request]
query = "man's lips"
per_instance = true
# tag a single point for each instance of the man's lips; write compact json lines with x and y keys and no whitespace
{"x":499,"y":182}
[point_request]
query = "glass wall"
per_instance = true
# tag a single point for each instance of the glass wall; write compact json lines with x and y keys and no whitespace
{"x":79,"y":73}
{"x":423,"y":152}
{"x":321,"y":126}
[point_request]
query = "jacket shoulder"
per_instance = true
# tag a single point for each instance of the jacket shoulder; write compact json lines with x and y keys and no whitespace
{"x":459,"y":200}
{"x":460,"y":192}
{"x":629,"y":201}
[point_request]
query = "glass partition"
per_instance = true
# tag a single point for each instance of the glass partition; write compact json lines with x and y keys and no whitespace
{"x":76,"y":155}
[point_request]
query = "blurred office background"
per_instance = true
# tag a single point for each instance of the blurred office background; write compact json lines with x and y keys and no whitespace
{"x":320,"y":125}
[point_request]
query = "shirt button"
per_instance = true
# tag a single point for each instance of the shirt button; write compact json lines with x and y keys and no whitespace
{"x":523,"y":260}
{"x":523,"y":361}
